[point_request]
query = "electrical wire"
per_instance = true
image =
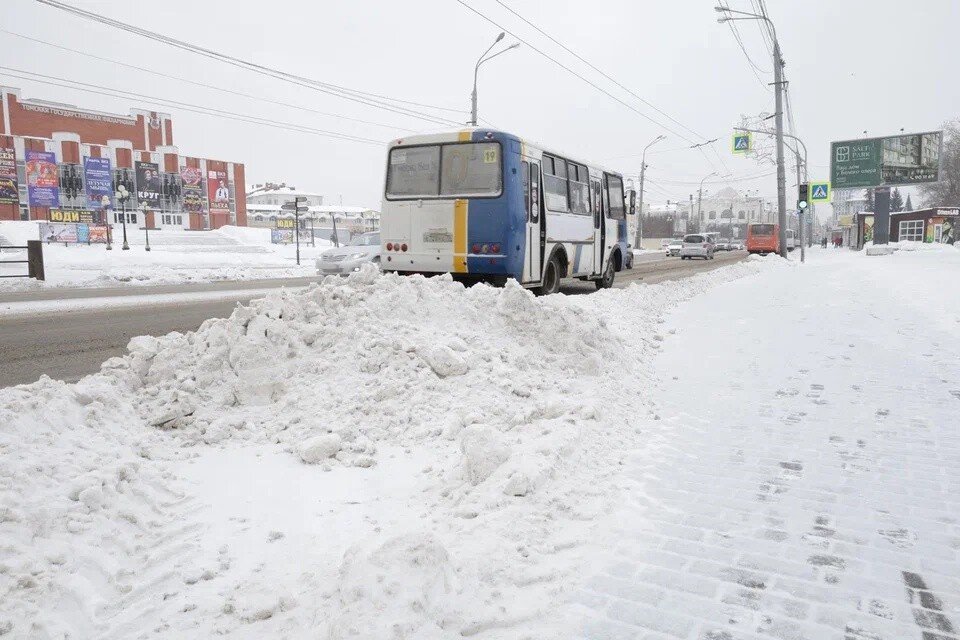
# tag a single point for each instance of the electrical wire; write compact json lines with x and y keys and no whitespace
{"x":598,"y":70}
{"x":570,"y":71}
{"x":210,"y":111}
{"x":370,"y":99}
{"x":204,"y":84}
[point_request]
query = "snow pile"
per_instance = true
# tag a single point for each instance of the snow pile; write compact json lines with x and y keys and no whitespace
{"x":524,"y":407}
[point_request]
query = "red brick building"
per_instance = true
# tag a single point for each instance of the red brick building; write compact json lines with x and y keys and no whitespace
{"x":175,"y":191}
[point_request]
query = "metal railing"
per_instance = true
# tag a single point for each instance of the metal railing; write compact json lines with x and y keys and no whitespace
{"x":34,"y":260}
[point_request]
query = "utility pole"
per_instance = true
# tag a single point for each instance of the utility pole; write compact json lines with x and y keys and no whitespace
{"x":701,"y":227}
{"x":778,"y":92}
{"x":781,"y":173}
{"x":643,"y":168}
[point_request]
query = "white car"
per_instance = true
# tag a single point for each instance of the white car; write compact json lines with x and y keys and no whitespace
{"x":696,"y":245}
{"x":348,"y":258}
{"x":673,"y":249}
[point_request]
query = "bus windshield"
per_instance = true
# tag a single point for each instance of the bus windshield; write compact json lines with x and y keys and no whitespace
{"x":761,"y":229}
{"x":444,"y":170}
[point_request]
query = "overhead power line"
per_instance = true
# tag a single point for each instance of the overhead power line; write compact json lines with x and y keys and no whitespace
{"x":600,"y":71}
{"x":204,"y":84}
{"x":201,"y":109}
{"x":363,"y":97}
{"x":570,"y":71}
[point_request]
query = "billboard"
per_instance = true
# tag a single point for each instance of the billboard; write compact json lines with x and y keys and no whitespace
{"x":893,"y":160}
{"x":72,"y":233}
{"x":76,"y":215}
{"x":148,"y":184}
{"x":43,"y":183}
{"x":9,"y":189}
{"x":192,"y":194}
{"x":98,"y":178}
{"x":217,"y":191}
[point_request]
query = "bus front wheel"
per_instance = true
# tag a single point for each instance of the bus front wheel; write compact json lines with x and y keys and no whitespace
{"x":551,"y":278}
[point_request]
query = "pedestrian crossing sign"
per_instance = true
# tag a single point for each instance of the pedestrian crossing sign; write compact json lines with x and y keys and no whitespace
{"x":820,"y":192}
{"x":742,"y":142}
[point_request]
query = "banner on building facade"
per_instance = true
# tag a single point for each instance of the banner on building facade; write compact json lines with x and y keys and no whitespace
{"x":192,"y":180}
{"x":217,"y":191}
{"x":76,"y":215}
{"x":148,"y":184}
{"x":43,"y":184}
{"x":9,"y":188}
{"x":98,"y":177}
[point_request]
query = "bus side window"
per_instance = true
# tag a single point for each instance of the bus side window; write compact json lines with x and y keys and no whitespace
{"x":534,"y":192}
{"x":525,"y":176}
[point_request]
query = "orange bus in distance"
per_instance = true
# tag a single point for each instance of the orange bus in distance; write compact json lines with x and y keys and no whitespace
{"x":763,"y":238}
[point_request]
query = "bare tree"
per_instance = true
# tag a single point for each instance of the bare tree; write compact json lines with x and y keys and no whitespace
{"x":946,"y":192}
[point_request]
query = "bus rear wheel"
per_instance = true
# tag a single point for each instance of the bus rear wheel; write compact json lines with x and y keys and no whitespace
{"x":551,"y":278}
{"x":606,"y":280}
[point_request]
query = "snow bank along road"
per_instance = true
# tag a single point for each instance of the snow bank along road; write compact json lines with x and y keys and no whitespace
{"x":383,"y":457}
{"x":67,"y":333}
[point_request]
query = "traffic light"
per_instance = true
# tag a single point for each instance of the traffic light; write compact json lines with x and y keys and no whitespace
{"x":802,"y":194}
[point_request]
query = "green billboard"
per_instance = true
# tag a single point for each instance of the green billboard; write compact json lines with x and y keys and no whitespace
{"x":893,"y":160}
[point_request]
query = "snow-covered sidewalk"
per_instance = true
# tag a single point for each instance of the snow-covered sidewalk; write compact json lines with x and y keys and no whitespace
{"x":804,"y":481}
{"x":176,"y":257}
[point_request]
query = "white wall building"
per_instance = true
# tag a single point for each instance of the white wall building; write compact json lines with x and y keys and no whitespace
{"x":264,"y":209}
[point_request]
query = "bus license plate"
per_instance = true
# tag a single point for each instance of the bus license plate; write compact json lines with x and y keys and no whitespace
{"x":437,"y":235}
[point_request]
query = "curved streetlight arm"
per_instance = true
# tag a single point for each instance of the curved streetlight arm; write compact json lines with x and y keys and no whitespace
{"x":749,"y":16}
{"x":476,"y":70}
{"x":785,"y":135}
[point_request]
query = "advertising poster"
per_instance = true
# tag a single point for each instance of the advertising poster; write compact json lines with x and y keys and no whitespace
{"x":98,"y":176}
{"x":148,"y":184}
{"x":9,"y":191}
{"x":192,"y":180}
{"x":58,"y":232}
{"x":74,"y":215}
{"x":43,"y":184}
{"x":217,"y":191}
{"x":98,"y":234}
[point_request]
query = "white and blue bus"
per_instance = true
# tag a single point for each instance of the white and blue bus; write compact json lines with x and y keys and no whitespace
{"x":485,"y":205}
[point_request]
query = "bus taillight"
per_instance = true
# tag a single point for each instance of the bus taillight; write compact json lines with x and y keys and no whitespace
{"x":475,"y":248}
{"x":389,"y":246}
{"x":495,"y":248}
{"x":403,"y":247}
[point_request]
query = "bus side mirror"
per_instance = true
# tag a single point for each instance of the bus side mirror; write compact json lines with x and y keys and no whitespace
{"x":633,"y":202}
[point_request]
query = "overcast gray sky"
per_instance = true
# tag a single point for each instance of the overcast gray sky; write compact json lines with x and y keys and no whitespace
{"x":853,"y":65}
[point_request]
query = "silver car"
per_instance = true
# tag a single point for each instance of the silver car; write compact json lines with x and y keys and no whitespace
{"x":697,"y":245}
{"x":348,"y":258}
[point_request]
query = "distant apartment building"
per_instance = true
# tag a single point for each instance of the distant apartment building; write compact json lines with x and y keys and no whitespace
{"x":59,"y":162}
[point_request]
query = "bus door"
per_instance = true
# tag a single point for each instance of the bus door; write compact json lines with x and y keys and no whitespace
{"x":598,"y":197}
{"x":536,"y":233}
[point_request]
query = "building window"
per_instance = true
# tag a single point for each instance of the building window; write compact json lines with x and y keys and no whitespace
{"x":713,"y":215}
{"x":911,"y":230}
{"x":742,"y":215}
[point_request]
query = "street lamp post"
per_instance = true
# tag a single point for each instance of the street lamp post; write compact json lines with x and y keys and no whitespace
{"x":146,"y":225}
{"x":700,"y":202}
{"x":643,"y":169}
{"x":122,"y":195}
{"x":476,"y":69}
{"x":105,"y":202}
{"x":778,"y":92}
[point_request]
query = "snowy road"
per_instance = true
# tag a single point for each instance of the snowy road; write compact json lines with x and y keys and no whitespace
{"x":67,"y":333}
